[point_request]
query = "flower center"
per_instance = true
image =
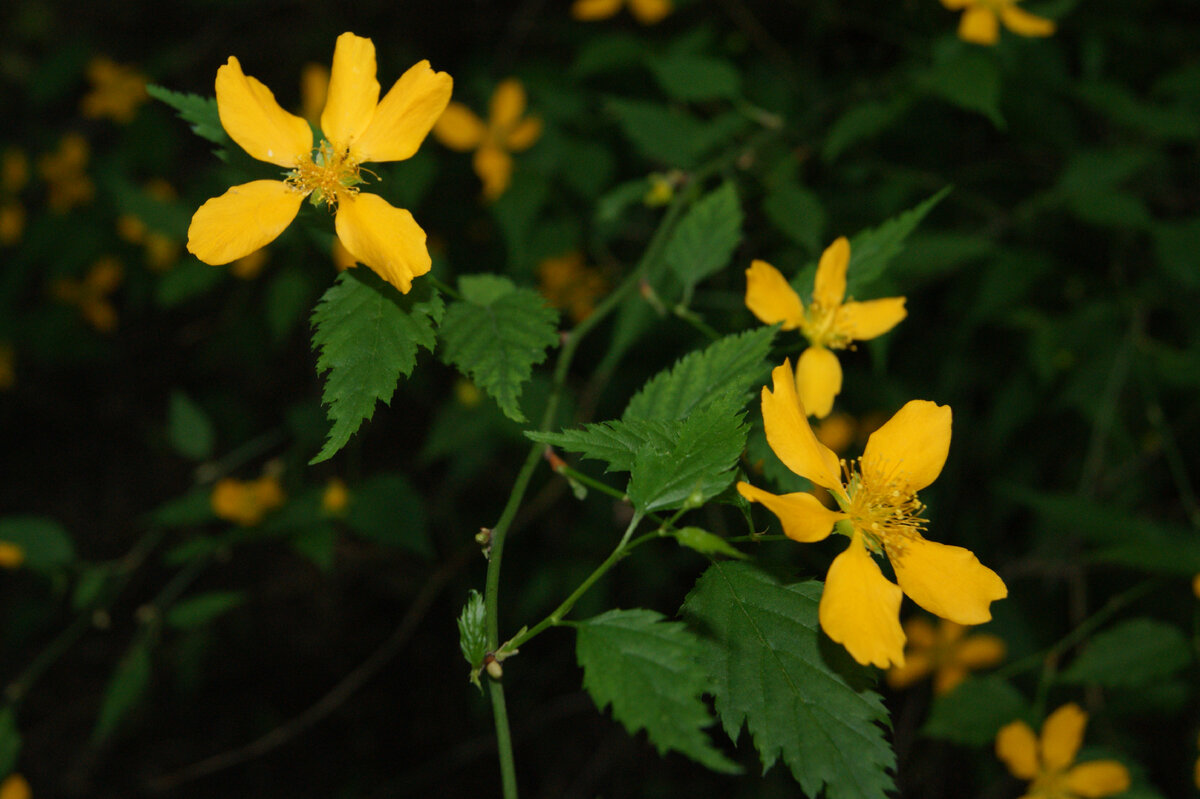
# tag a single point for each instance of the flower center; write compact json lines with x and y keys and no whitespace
{"x":1051,"y":785}
{"x":327,"y":176}
{"x":887,"y":515}
{"x":821,"y":329}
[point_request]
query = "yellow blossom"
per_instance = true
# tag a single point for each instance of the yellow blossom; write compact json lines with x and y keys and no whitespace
{"x":506,"y":131}
{"x":1196,"y":586}
{"x":8,"y":368}
{"x":67,"y":185}
{"x":981,"y":20}
{"x":880,"y":513}
{"x":358,"y":127}
{"x":1049,"y":763}
{"x":467,"y":393}
{"x":11,"y":555}
{"x":12,"y":223}
{"x":246,"y":502}
{"x":336,"y":497}
{"x":91,"y":294}
{"x":117,"y":91}
{"x":249,"y":266}
{"x":569,"y":284}
{"x":162,"y":251}
{"x":314,"y":90}
{"x":829,"y":322}
{"x":646,"y":12}
{"x":15,"y":787}
{"x":14,"y":171}
{"x":946,"y":652}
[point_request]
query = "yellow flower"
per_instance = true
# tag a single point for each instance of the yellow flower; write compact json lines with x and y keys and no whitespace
{"x":314,"y":91}
{"x":12,"y":223}
{"x":249,"y":266}
{"x":8,"y":369}
{"x":467,"y":393}
{"x":162,"y":251}
{"x":646,"y":12}
{"x":1048,"y":763}
{"x":829,"y":322}
{"x":336,"y":497}
{"x":15,"y":787}
{"x":1196,"y":586}
{"x":91,"y":293}
{"x":981,"y":20}
{"x":14,"y":170}
{"x":507,"y":131}
{"x":117,"y":91}
{"x":880,"y":513}
{"x":358,"y":127}
{"x":11,"y":555}
{"x":246,"y":502}
{"x":946,"y":653}
{"x":67,"y":184}
{"x":569,"y":284}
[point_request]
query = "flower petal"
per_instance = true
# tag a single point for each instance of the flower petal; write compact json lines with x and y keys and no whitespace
{"x":353,"y":91}
{"x":253,"y":119}
{"x":649,"y":12}
{"x":980,"y":651}
{"x":507,"y":105}
{"x":459,"y":129}
{"x":588,"y":10}
{"x":860,"y":608}
{"x":405,"y":115}
{"x":920,"y":633}
{"x":1062,"y":733}
{"x":1022,"y":23}
{"x":770,"y":298}
{"x":863,"y":321}
{"x":818,"y":380}
{"x":954,"y":5}
{"x":979,"y":25}
{"x":948,"y":677}
{"x":242,"y":220}
{"x":494,"y":167}
{"x":384,"y":238}
{"x":910,"y":447}
{"x":829,"y":288}
{"x":917,"y":666}
{"x":791,"y":437}
{"x":522,"y":137}
{"x":1098,"y":778}
{"x":1017,"y":747}
{"x":802,"y":515}
{"x":947,"y":581}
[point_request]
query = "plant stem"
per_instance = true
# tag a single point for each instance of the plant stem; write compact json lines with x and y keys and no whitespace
{"x":508,"y":767}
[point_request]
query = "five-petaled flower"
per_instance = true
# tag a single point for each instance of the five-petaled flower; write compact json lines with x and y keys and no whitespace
{"x":246,"y":502}
{"x":947,"y":652}
{"x":647,"y":12}
{"x":880,"y":513}
{"x":507,"y":130}
{"x":1049,"y":763}
{"x":357,"y":127}
{"x":829,"y":322}
{"x":981,"y":20}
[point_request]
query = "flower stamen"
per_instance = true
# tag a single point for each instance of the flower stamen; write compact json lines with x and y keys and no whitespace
{"x":326,"y":176}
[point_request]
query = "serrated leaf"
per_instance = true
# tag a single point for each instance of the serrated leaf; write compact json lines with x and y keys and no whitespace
{"x":199,"y":112}
{"x":974,"y":711}
{"x":731,"y":365}
{"x":200,"y":609}
{"x":495,"y":335}
{"x":704,"y":240}
{"x":653,"y":673}
{"x":44,"y":542}
{"x":706,"y":543}
{"x":188,"y":427}
{"x":801,"y":697}
{"x":970,"y":79}
{"x":871,"y":250}
{"x":125,"y":689}
{"x":472,"y":636}
{"x":671,"y":136}
{"x":388,"y":510}
{"x":1130,"y":654}
{"x":696,"y":78}
{"x":367,"y":334}
{"x":10,"y":741}
{"x":615,"y":442}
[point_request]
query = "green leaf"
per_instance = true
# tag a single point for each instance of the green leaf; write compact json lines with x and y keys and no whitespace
{"x":1130,"y":654}
{"x":696,"y":78}
{"x":797,"y":212}
{"x":871,"y":250}
{"x":1121,"y":106}
{"x":616,"y":442}
{"x":653,"y":673}
{"x":671,"y":136}
{"x":199,"y":112}
{"x":317,"y":543}
{"x":388,"y":510}
{"x":969,"y":79}
{"x":974,"y":711}
{"x":706,"y":543}
{"x":91,"y":583}
{"x":731,"y":365}
{"x":289,"y":294}
{"x":496,"y":334}
{"x":125,"y":689}
{"x":704,"y":241}
{"x":10,"y":741}
{"x":1175,"y":248}
{"x":192,"y":508}
{"x":44,"y":541}
{"x":187,"y":280}
{"x":198,"y":610}
{"x":861,"y":122}
{"x":367,"y":334}
{"x":188,"y":427}
{"x":472,"y":636}
{"x":802,"y":697}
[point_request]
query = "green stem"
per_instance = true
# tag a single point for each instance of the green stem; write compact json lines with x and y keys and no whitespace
{"x":442,"y":287}
{"x":508,"y":766}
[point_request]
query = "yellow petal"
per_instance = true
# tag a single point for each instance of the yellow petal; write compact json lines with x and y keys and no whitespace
{"x":649,"y":12}
{"x":770,"y":298}
{"x":948,"y":677}
{"x":818,"y":380}
{"x":791,"y":437}
{"x":1098,"y":778}
{"x":860,"y":608}
{"x":829,"y":288}
{"x":955,"y":5}
{"x":242,"y":220}
{"x":947,"y":581}
{"x":979,"y":25}
{"x":253,"y":119}
{"x":1021,"y":22}
{"x":920,"y":633}
{"x":917,"y":666}
{"x":353,"y":91}
{"x":459,"y":129}
{"x":405,"y":115}
{"x":494,"y":167}
{"x":802,"y":515}
{"x":588,"y":10}
{"x":522,"y":137}
{"x":1017,"y":747}
{"x":384,"y":238}
{"x":863,"y":321}
{"x":314,"y":88}
{"x":980,"y":651}
{"x":1062,"y":733}
{"x":910,"y":448}
{"x":507,"y":105}
{"x":15,"y":786}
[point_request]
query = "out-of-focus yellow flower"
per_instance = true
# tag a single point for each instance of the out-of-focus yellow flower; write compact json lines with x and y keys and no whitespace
{"x":881,"y":515}
{"x":507,"y":131}
{"x":662,"y":189}
{"x":8,"y":366}
{"x":647,"y":12}
{"x":162,"y":251}
{"x":249,"y":266}
{"x":358,"y":127}
{"x":1049,"y":763}
{"x":947,"y":653}
{"x":117,"y":91}
{"x":571,"y":285}
{"x":1196,"y":586}
{"x":15,"y":787}
{"x":336,"y":497}
{"x":467,"y":393}
{"x":14,"y":174}
{"x":314,"y":90}
{"x":829,"y":322}
{"x":246,"y":502}
{"x":12,"y":223}
{"x":67,"y":185}
{"x":91,"y":294}
{"x":837,"y":431}
{"x":11,"y":555}
{"x":981,"y":20}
